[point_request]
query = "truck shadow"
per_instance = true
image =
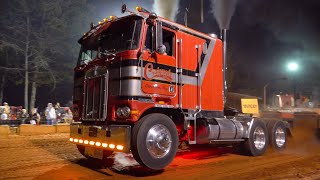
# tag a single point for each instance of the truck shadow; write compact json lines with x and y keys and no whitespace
{"x":199,"y":152}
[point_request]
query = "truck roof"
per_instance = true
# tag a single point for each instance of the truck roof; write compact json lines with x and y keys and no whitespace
{"x":95,"y":29}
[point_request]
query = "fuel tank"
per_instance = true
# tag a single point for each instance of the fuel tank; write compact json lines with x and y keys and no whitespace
{"x":218,"y":129}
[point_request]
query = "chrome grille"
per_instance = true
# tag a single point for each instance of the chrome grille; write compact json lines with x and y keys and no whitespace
{"x":95,"y":94}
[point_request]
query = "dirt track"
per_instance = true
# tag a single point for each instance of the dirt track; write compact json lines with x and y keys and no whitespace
{"x":53,"y":157}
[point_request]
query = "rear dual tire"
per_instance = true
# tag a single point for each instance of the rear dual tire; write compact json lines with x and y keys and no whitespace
{"x":277,"y":135}
{"x":258,"y":140}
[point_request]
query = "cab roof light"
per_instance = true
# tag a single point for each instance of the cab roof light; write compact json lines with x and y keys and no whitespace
{"x":80,"y":141}
{"x":71,"y":139}
{"x":113,"y":18}
{"x":91,"y":142}
{"x":100,"y":22}
{"x":75,"y":140}
{"x":141,"y":9}
{"x":85,"y":142}
{"x":105,"y":19}
{"x":98,"y":144}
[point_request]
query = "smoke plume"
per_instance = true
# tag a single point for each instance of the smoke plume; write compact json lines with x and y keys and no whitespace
{"x":166,"y":8}
{"x":223,"y":11}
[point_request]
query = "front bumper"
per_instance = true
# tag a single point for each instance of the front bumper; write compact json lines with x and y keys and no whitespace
{"x":112,"y":137}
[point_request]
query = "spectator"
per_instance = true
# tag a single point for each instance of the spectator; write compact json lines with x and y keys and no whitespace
{"x":50,"y":114}
{"x":35,"y":116}
{"x":59,"y":111}
{"x":24,"y":113}
{"x":68,"y":116}
{"x":6,"y":109}
{"x":4,"y":116}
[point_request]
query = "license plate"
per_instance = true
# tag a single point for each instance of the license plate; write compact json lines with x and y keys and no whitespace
{"x":93,"y":152}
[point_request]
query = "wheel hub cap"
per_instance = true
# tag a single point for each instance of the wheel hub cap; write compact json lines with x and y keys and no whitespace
{"x":280,"y":137}
{"x":158,"y":141}
{"x":259,"y":138}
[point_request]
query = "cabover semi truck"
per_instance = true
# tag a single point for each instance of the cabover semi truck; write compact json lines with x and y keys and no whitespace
{"x":143,"y":85}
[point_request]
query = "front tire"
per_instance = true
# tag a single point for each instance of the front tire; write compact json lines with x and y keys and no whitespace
{"x":154,"y":141}
{"x":258,"y":140}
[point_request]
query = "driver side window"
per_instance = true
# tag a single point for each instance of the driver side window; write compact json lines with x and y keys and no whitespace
{"x":168,"y":39}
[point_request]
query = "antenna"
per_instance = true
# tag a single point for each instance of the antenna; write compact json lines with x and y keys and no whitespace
{"x":186,"y":15}
{"x":202,"y":19}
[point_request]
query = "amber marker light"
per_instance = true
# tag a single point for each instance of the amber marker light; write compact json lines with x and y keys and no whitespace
{"x":112,"y":146}
{"x":120,"y":147}
{"x":76,"y":140}
{"x":80,"y":141}
{"x":98,"y":144}
{"x":113,"y":17}
{"x":134,"y":112}
{"x":71,"y":139}
{"x":85,"y":142}
{"x":138,"y":8}
{"x":91,"y":142}
{"x":161,"y":102}
{"x":104,"y":145}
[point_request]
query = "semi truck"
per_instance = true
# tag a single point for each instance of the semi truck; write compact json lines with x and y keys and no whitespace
{"x":144,"y":85}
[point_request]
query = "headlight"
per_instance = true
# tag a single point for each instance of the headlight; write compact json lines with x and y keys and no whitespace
{"x":123,"y":112}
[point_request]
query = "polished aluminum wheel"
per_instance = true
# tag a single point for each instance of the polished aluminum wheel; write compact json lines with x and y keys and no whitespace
{"x":259,"y":138}
{"x":158,"y":141}
{"x":280,"y":137}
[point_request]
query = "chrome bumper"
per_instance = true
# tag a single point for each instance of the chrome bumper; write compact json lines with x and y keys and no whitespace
{"x":112,"y":137}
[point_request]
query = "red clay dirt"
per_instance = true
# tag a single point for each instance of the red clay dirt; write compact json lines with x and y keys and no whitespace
{"x":53,"y":157}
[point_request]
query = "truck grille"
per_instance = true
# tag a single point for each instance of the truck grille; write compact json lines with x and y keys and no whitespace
{"x":95,"y":94}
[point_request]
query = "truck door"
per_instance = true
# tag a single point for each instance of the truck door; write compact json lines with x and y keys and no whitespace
{"x":159,"y":72}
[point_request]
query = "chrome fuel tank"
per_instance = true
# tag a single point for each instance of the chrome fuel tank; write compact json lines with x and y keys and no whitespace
{"x":218,"y":129}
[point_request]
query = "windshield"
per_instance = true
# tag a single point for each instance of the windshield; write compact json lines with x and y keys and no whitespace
{"x":121,"y":35}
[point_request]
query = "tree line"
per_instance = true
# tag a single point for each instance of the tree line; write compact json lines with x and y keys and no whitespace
{"x":38,"y":43}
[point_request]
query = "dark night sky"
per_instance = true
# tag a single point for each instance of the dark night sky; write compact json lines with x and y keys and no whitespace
{"x":264,"y":36}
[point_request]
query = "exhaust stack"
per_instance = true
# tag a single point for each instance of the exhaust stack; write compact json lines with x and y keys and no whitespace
{"x":223,"y":11}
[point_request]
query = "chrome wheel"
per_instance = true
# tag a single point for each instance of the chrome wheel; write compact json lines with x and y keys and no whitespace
{"x":259,"y":138}
{"x":158,"y":141}
{"x":280,"y":137}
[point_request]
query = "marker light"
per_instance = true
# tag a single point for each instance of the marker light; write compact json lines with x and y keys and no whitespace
{"x":119,"y":147}
{"x":113,"y":17}
{"x":71,"y":139}
{"x":76,"y":140}
{"x":100,"y":22}
{"x":98,"y":144}
{"x":104,"y":145}
{"x":91,"y":142}
{"x":112,"y":146}
{"x":105,"y":19}
{"x":141,"y":9}
{"x":80,"y":141}
{"x":85,"y":142}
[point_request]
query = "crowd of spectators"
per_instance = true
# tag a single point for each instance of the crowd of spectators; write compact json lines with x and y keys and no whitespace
{"x":51,"y":114}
